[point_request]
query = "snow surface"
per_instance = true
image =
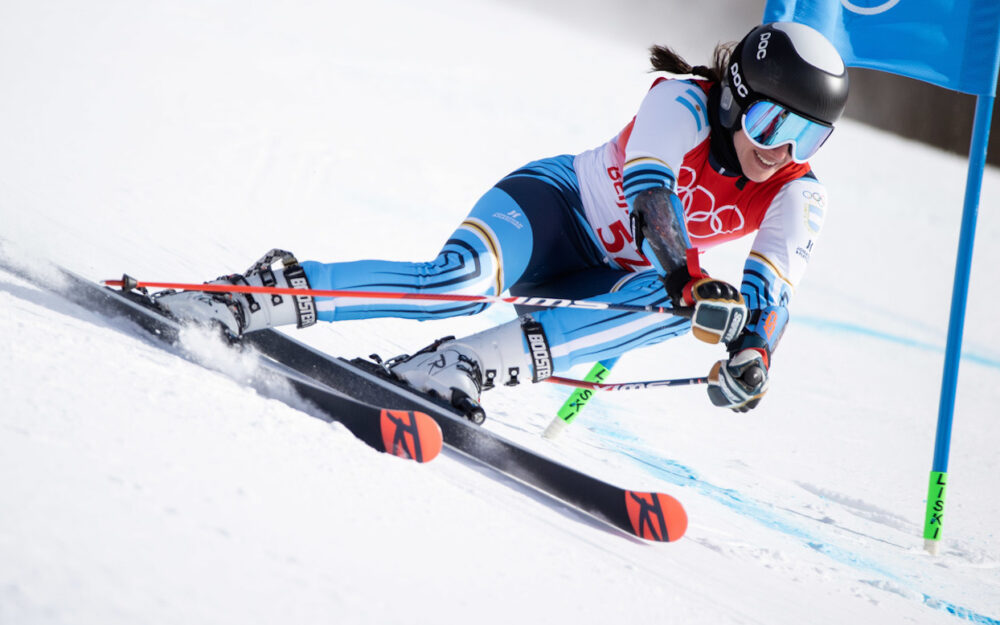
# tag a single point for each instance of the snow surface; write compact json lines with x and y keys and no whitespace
{"x":182,"y":140}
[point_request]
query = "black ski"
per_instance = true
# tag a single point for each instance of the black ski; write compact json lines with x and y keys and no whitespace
{"x":391,"y":417}
{"x":401,"y":432}
{"x":648,"y":515}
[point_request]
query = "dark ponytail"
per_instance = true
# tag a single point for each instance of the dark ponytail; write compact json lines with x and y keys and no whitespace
{"x":663,"y":59}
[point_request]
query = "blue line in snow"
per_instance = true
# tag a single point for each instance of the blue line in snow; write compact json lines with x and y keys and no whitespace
{"x":842,"y":326}
{"x":682,"y":475}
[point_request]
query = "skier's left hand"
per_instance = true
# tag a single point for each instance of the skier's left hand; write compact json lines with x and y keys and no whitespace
{"x":740,"y":382}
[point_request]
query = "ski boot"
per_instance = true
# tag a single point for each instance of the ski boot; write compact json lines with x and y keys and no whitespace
{"x":459,"y":370}
{"x":239,"y":313}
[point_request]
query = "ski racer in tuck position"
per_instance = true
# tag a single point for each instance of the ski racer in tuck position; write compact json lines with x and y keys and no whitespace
{"x":704,"y":161}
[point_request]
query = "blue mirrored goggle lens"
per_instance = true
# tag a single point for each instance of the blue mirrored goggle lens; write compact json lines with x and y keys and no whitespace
{"x":769,"y":125}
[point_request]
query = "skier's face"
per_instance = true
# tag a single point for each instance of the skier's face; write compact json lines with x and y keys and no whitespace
{"x":759,"y":164}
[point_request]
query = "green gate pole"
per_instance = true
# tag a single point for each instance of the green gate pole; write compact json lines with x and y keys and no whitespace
{"x":578,"y":399}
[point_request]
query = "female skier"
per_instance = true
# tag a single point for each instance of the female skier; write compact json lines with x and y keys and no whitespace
{"x":705,"y":160}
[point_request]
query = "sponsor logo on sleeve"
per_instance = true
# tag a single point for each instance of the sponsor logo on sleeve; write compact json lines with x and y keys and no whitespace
{"x":510,"y":217}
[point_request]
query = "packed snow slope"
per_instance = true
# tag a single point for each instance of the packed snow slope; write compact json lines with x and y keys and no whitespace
{"x":182,"y":140}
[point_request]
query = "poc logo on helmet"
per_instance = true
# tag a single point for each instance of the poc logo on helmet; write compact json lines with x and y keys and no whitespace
{"x":738,"y":81}
{"x":762,"y":46}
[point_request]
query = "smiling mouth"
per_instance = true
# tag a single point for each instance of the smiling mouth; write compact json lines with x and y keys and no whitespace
{"x":763,"y":161}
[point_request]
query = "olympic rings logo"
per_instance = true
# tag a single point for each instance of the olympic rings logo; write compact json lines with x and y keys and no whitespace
{"x":868,"y":7}
{"x":815,"y":196}
{"x":710,"y":219}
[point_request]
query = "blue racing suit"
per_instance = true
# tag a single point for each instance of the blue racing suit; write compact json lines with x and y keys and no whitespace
{"x":527,"y":235}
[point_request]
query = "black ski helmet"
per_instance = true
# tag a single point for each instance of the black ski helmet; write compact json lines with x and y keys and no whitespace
{"x":790,"y":64}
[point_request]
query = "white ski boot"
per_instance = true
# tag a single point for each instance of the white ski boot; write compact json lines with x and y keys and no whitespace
{"x":458,"y":370}
{"x":239,"y":313}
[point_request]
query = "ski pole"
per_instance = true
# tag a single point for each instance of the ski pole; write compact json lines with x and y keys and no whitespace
{"x":627,"y":386}
{"x":128,"y":283}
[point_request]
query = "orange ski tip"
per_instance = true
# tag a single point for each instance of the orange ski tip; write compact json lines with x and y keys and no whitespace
{"x":411,"y":435}
{"x":430,"y":435}
{"x":656,"y":516}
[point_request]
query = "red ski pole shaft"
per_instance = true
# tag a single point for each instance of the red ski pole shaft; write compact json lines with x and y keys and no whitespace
{"x":626,"y":386}
{"x":540,"y":302}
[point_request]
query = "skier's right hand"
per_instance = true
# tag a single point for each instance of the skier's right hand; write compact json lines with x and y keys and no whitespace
{"x":740,"y":382}
{"x":718,"y":313}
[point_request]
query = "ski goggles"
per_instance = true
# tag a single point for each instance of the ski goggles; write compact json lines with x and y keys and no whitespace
{"x":769,"y":125}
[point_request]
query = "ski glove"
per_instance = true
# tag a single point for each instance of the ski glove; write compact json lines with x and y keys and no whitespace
{"x":718,"y":313}
{"x":716,"y":308}
{"x":740,"y":382}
